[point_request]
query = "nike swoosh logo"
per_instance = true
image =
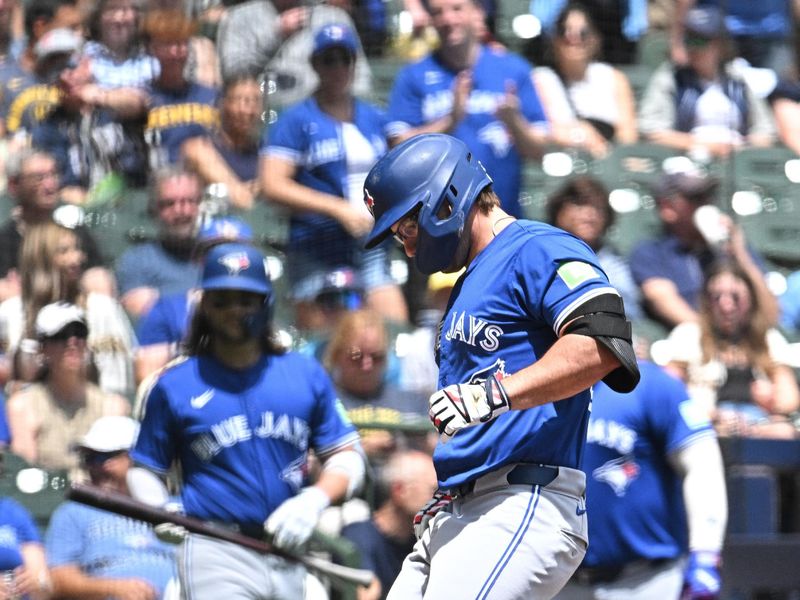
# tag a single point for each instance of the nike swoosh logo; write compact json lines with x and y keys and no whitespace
{"x":201,"y":400}
{"x":580,"y":511}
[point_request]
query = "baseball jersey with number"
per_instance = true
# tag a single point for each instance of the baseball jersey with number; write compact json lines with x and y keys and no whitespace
{"x":503,"y":315}
{"x":633,"y":495}
{"x":423,"y":92}
{"x":241,"y":436}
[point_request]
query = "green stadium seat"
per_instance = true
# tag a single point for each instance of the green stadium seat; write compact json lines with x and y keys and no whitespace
{"x":120,"y":222}
{"x":37,"y":490}
{"x":542,"y":178}
{"x":506,"y":12}
{"x":384,"y":70}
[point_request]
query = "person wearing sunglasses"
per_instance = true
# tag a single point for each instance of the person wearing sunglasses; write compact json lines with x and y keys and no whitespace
{"x":47,"y":417}
{"x":704,"y":107}
{"x":239,"y":415}
{"x":314,"y":161}
{"x":93,"y":553}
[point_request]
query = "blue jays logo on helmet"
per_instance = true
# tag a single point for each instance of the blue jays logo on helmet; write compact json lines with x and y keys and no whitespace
{"x":235,"y":262}
{"x":234,"y":266}
{"x":435,"y":173}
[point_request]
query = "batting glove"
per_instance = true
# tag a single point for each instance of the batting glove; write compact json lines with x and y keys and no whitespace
{"x":464,"y":405}
{"x":439,"y":502}
{"x":293,"y":522}
{"x":170,"y":533}
{"x":702,"y":578}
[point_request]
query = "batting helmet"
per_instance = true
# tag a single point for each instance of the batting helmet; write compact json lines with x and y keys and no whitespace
{"x":435,"y":173}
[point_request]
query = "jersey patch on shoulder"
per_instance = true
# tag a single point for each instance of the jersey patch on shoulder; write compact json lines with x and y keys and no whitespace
{"x":574,"y":273}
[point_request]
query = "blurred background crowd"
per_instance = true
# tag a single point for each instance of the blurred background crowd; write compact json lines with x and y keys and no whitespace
{"x":137,"y":134}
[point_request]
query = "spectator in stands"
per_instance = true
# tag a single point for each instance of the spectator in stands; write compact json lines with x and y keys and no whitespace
{"x":164,"y":265}
{"x":276,"y":38}
{"x":581,"y":207}
{"x":704,"y":107}
{"x":117,"y":52}
{"x":669,"y":269}
{"x":315,"y":160}
{"x":52,"y":264}
{"x":589,"y":104}
{"x":229,"y":154}
{"x":23,"y":567}
{"x":5,"y":434}
{"x":49,"y":416}
{"x":785,"y":102}
{"x":356,"y":357}
{"x":179,"y":109}
{"x":761,"y":32}
{"x":93,"y":553}
{"x":482,"y":95}
{"x":43,"y":15}
{"x":34,"y":183}
{"x":790,"y":305}
{"x":163,"y":328}
{"x":406,"y":483}
{"x":733,"y":361}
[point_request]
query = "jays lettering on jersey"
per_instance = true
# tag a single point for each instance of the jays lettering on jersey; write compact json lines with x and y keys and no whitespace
{"x":312,"y":140}
{"x":423,"y":92}
{"x":504,"y":314}
{"x":633,"y":495}
{"x":241,"y":436}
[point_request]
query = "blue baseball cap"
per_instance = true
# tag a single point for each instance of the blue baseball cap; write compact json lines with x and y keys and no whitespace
{"x":335,"y":35}
{"x":236,"y":267}
{"x":705,"y":22}
{"x":224,"y":229}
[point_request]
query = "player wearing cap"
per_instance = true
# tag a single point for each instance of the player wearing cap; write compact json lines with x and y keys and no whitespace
{"x":239,"y":415}
{"x":530,"y":326}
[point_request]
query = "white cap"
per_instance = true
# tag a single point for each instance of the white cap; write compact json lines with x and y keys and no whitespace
{"x":54,"y":317}
{"x":109,"y":434}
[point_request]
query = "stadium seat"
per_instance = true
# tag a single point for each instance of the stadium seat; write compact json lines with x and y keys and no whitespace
{"x":37,"y":490}
{"x":508,"y":32}
{"x":541,"y":178}
{"x":120,"y":222}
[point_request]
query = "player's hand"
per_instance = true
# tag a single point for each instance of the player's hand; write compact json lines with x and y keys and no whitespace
{"x":702,"y":579}
{"x":170,"y":533}
{"x":292,"y":523}
{"x":432,"y":507}
{"x":464,"y":405}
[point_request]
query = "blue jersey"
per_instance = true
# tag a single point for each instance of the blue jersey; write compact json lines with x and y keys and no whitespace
{"x":503,"y":315}
{"x":312,"y":140}
{"x":108,"y":545}
{"x":423,"y":92}
{"x":241,"y":436}
{"x":16,"y":528}
{"x":633,"y":495}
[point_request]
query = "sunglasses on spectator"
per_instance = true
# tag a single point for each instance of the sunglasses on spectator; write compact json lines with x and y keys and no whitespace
{"x":73,"y":330}
{"x":407,"y":228}
{"x":93,"y":458}
{"x":583,"y":34}
{"x":356,"y":355}
{"x":336,"y":58}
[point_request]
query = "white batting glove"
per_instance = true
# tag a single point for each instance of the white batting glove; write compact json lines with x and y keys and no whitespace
{"x":436,"y":504}
{"x":170,"y":533}
{"x":293,"y":522}
{"x":465,"y":404}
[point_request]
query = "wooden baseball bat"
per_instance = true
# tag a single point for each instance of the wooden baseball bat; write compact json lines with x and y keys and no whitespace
{"x":122,"y":504}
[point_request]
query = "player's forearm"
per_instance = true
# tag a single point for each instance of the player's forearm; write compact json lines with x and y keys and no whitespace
{"x":71,"y":582}
{"x":570,"y":366}
{"x":663,"y":298}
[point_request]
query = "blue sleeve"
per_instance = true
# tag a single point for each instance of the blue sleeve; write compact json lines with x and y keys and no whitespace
{"x":289,"y":132}
{"x":5,"y":433}
{"x":790,"y":303}
{"x":331,"y":428}
{"x":155,"y":327}
{"x":129,"y":272}
{"x":644,"y":262}
{"x":64,"y":536}
{"x":27,"y":532}
{"x":405,"y":103}
{"x":156,"y":444}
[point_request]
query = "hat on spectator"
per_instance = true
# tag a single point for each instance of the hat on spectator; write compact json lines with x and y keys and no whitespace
{"x":705,"y":21}
{"x":339,"y":286}
{"x":52,"y":318}
{"x":224,"y":229}
{"x":57,"y":41}
{"x":690,"y":184}
{"x":335,"y":35}
{"x":110,"y":434}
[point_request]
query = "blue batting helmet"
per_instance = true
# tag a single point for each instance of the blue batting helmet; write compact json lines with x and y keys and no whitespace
{"x":236,"y":267}
{"x":435,"y":173}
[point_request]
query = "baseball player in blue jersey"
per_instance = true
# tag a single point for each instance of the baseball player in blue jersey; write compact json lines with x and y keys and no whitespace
{"x":239,"y":415}
{"x":653,"y":466}
{"x":530,"y":326}
{"x":482,"y":95}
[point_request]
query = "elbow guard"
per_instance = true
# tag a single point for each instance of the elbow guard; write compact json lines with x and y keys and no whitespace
{"x":603,"y":318}
{"x":353,"y":464}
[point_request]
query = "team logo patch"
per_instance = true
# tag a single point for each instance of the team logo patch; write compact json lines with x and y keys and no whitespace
{"x":574,"y":273}
{"x":618,"y":473}
{"x":369,"y":201}
{"x":235,"y":262}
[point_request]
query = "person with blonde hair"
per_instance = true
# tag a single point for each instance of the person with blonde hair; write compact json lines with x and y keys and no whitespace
{"x":52,"y":262}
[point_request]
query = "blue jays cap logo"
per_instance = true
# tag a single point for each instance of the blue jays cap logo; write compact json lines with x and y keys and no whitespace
{"x":369,"y":201}
{"x":618,"y":473}
{"x":235,"y":262}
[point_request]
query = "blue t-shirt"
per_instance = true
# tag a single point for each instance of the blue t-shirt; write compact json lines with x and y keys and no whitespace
{"x":423,"y":92}
{"x":17,"y":527}
{"x":767,"y":18}
{"x":633,"y":495}
{"x":790,"y":304}
{"x":380,"y":554}
{"x":104,"y":544}
{"x":241,"y":436}
{"x":167,"y":322}
{"x":150,"y":265}
{"x":5,"y":433}
{"x":25,"y":101}
{"x":503,"y":315}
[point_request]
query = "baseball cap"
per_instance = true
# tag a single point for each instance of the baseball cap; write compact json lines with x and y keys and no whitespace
{"x":110,"y":434}
{"x":333,"y":36}
{"x":693,"y":185}
{"x":234,"y":266}
{"x":704,"y":21}
{"x":223,"y":229}
{"x":57,"y":41}
{"x":341,"y":284}
{"x":52,"y":318}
